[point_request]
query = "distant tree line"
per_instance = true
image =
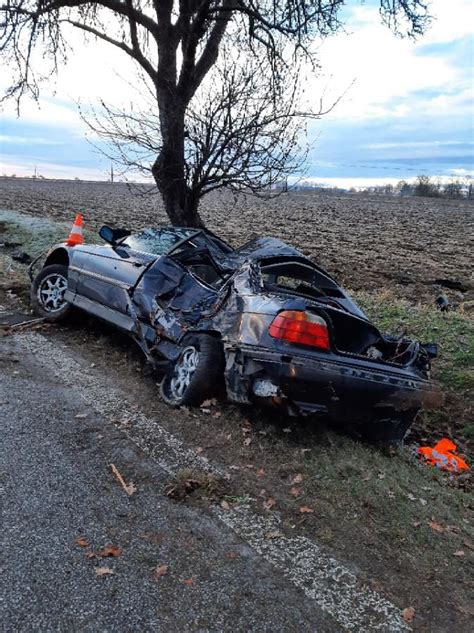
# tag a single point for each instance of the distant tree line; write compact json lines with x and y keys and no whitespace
{"x":426,"y":187}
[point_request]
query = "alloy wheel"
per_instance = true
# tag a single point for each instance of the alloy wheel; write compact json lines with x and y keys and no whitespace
{"x":51,"y":292}
{"x":184,"y":371}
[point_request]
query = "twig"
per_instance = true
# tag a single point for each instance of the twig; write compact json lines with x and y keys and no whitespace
{"x":129,"y":488}
{"x":24,"y":325}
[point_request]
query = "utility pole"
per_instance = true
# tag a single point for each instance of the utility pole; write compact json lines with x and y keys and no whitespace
{"x":111,"y":172}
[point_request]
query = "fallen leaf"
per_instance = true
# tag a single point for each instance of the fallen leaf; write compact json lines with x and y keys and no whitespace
{"x":188,"y":581}
{"x":305,"y":510}
{"x":460,"y":552}
{"x":103,"y":571}
{"x":295,"y":491}
{"x":261,"y":472}
{"x":269,"y":503}
{"x":297,"y":479}
{"x":416,"y":523}
{"x":436,"y":526}
{"x":275,"y":534}
{"x":411,"y":497}
{"x":217,"y":414}
{"x":247,"y":441}
{"x":90,"y":554}
{"x":81,"y":541}
{"x":408,"y":614}
{"x":208,"y":403}
{"x":160,"y":571}
{"x":225,"y":505}
{"x":381,"y":475}
{"x":422,"y":501}
{"x":199,"y":450}
{"x":109,"y":550}
{"x":81,"y":416}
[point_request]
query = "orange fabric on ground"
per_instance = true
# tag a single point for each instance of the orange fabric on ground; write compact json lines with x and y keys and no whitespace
{"x":442,"y":456}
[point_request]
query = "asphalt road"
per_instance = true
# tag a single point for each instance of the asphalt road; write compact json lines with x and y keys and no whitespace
{"x":56,"y":484}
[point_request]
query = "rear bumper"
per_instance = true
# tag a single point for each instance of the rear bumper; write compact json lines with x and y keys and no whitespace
{"x":347,"y":389}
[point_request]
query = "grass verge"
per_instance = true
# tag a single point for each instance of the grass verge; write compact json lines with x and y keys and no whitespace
{"x":453,"y":332}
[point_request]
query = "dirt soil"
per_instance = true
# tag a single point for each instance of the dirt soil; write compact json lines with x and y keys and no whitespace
{"x":416,"y":246}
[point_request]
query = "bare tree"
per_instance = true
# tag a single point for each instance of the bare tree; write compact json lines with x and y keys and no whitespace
{"x":454,"y":188}
{"x":176,"y":43}
{"x":424,"y":187}
{"x":238,"y":134}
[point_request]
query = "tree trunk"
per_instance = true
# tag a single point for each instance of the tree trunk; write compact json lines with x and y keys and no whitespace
{"x":169,"y":169}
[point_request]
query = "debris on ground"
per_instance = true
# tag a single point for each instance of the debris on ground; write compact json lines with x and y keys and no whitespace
{"x":442,"y":455}
{"x":408,"y":614}
{"x":21,"y":256}
{"x":103,"y":571}
{"x":10,"y":328}
{"x":198,"y":485}
{"x":130,"y":488}
{"x":160,"y":570}
{"x":442,"y":304}
{"x":109,"y":550}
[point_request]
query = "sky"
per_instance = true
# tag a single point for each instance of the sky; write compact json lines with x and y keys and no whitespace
{"x":406,"y":106}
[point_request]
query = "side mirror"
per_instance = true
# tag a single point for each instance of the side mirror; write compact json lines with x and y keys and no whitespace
{"x":107,"y":234}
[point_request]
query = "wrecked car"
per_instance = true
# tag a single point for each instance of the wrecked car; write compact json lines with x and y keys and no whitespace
{"x":262,"y":321}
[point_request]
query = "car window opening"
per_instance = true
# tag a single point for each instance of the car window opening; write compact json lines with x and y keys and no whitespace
{"x":298,"y":279}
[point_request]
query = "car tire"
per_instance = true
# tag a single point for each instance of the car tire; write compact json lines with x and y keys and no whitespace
{"x":47,"y":293}
{"x":197,"y":375}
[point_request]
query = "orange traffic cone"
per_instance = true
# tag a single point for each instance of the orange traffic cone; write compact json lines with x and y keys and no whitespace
{"x":75,"y":236}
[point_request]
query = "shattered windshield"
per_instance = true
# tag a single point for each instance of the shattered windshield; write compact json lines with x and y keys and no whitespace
{"x":157,"y":241}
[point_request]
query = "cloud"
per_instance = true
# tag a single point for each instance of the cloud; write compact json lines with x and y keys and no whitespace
{"x":385,"y":68}
{"x":411,"y":144}
{"x":28,"y":140}
{"x":410,"y":101}
{"x":21,"y":166}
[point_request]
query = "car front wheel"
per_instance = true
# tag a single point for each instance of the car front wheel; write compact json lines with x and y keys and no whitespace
{"x":197,"y":374}
{"x":48,"y":293}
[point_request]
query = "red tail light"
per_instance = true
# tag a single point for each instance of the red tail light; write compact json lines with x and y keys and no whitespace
{"x":300,"y":327}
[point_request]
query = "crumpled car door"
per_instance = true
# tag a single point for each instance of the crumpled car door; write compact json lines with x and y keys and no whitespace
{"x":107,"y":274}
